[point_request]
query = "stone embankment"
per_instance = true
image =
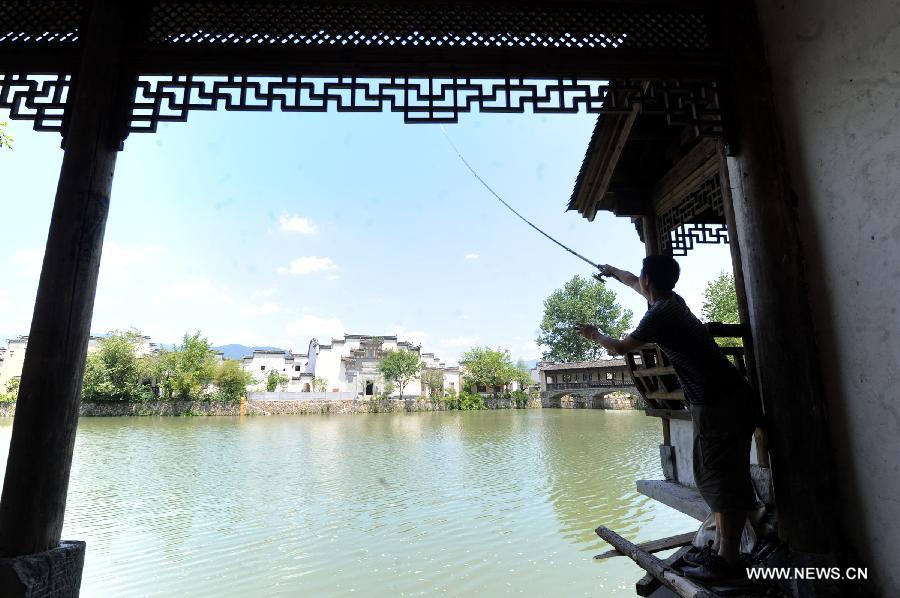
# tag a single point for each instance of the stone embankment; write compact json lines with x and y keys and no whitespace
{"x":270,"y":407}
{"x":585,"y":400}
{"x":262,"y":405}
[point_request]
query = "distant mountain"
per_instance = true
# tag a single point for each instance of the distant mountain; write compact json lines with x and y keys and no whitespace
{"x":235,"y":351}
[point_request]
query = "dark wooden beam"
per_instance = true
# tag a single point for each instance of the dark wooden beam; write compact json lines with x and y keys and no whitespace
{"x":43,"y":435}
{"x":669,"y":413}
{"x":655,"y":545}
{"x":459,"y":62}
{"x":680,"y":585}
{"x":772,"y":264}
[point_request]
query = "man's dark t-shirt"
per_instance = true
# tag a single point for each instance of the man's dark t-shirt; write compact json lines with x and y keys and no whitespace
{"x":703,"y":371}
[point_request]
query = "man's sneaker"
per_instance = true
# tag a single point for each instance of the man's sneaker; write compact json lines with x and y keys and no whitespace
{"x":698,"y":556}
{"x":716,"y":570}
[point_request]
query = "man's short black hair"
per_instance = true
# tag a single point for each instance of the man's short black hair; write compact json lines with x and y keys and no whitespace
{"x":662,"y":271}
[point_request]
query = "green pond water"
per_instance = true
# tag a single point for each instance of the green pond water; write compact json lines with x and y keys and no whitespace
{"x":479,"y":503}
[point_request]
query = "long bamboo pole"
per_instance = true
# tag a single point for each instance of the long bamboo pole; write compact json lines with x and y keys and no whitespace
{"x":655,"y":567}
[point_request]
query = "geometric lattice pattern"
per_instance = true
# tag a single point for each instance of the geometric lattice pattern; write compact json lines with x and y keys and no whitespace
{"x":42,"y":98}
{"x":422,"y":99}
{"x":388,"y":24}
{"x":40,"y":23}
{"x":699,"y":218}
{"x":39,"y":98}
{"x":228,"y":40}
{"x":682,"y":239}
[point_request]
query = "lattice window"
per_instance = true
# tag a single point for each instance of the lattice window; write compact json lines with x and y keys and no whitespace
{"x":40,"y":23}
{"x":39,"y":98}
{"x":42,"y":98}
{"x":699,"y":218}
{"x":421,"y":99}
{"x":388,"y":24}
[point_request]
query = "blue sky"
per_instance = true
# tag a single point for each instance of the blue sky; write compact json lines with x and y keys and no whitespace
{"x":270,"y":228}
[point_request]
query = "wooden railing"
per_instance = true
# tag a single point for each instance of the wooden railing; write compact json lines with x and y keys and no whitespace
{"x":588,"y":384}
{"x":655,"y":379}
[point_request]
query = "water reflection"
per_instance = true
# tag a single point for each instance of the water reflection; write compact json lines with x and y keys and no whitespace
{"x":391,"y":504}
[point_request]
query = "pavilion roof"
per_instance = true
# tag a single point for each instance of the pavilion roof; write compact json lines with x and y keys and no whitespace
{"x":582,"y":365}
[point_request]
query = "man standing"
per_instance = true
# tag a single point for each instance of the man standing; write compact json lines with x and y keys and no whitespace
{"x":720,"y":401}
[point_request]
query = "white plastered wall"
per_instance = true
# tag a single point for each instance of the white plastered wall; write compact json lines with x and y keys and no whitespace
{"x":836,"y":75}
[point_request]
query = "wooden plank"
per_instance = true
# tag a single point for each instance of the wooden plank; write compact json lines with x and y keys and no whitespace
{"x":691,"y":170}
{"x":669,"y":413}
{"x":728,"y":330}
{"x":649,"y":584}
{"x":655,"y":545}
{"x":674,"y":395}
{"x":657,"y":371}
{"x":43,"y":435}
{"x":680,"y":585}
{"x":413,"y":61}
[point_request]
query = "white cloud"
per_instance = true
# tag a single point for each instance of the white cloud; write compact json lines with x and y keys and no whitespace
{"x":263,"y":293}
{"x":471,"y":256}
{"x":531,"y":350}
{"x":461,"y":341}
{"x":196,"y":290}
{"x":332,"y":277}
{"x":6,"y":304}
{"x":29,"y":261}
{"x":296,"y":224}
{"x":415,"y":336}
{"x":119,"y":262}
{"x":308,"y":265}
{"x":309,"y":326}
{"x":261,"y":309}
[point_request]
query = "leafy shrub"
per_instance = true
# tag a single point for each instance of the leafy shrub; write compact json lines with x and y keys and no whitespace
{"x":450,"y":399}
{"x":520,"y":397}
{"x":470,"y":401}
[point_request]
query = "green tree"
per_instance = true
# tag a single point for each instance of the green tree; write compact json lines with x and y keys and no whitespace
{"x":434,"y":380}
{"x":232,"y":380}
{"x":720,"y":305}
{"x":114,"y":372}
{"x":400,"y":367}
{"x":487,"y":367}
{"x":580,"y":301}
{"x":12,"y":391}
{"x":522,"y":375}
{"x":5,"y":138}
{"x":319,"y":384}
{"x":12,"y":385}
{"x":275,"y":380}
{"x":186,"y":372}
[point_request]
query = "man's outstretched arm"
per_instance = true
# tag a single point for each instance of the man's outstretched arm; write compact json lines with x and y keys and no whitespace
{"x":612,"y":345}
{"x":623,"y":276}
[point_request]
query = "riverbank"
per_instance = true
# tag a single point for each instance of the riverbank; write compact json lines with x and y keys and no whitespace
{"x":272,"y":407}
{"x":264,"y":406}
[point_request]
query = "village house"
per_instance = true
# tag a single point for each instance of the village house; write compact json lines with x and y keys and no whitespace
{"x":348,"y":365}
{"x":12,"y":357}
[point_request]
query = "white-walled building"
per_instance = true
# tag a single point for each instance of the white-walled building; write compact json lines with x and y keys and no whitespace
{"x":348,"y":365}
{"x":12,"y":357}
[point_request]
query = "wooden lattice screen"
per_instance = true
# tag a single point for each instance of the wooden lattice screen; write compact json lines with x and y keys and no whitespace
{"x":655,"y":377}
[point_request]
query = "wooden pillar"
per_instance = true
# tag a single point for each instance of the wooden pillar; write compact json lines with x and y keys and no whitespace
{"x":778,"y":307}
{"x":43,"y":435}
{"x":734,"y":244}
{"x":651,"y":233}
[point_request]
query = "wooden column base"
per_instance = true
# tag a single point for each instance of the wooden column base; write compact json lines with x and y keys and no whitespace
{"x":56,"y":572}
